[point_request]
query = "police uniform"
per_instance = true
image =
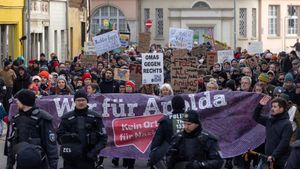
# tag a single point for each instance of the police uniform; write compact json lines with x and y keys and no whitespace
{"x":32,"y":140}
{"x":195,"y":150}
{"x":293,"y":161}
{"x":82,"y":135}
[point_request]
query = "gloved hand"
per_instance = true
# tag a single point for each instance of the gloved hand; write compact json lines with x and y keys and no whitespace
{"x":194,"y":165}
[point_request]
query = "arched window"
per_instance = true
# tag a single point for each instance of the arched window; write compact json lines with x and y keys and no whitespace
{"x":114,"y":15}
{"x":201,"y":5}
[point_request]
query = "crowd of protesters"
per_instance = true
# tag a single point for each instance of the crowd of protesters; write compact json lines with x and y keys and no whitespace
{"x":276,"y":75}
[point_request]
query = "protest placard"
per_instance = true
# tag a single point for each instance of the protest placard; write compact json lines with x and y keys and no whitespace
{"x":124,"y":39}
{"x":106,"y":42}
{"x":255,"y":47}
{"x":89,"y":61}
{"x":152,"y":68}
{"x":144,"y":42}
{"x":180,"y":52}
{"x":211,"y":59}
{"x":121,"y":74}
{"x":136,"y":74}
{"x":181,"y":38}
{"x":89,"y":49}
{"x":184,"y":74}
{"x":225,"y":55}
{"x":199,"y":51}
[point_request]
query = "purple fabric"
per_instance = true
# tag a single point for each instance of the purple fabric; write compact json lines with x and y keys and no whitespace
{"x":228,"y":115}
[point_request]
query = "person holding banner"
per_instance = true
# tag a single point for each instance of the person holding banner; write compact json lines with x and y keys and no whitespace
{"x":81,"y":134}
{"x":194,"y":148}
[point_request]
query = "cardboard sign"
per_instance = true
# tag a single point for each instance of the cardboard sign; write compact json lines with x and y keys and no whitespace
{"x":255,"y":47}
{"x":181,"y":38}
{"x":144,"y":42}
{"x":199,"y":51}
{"x":225,"y":55}
{"x":152,"y":68}
{"x":89,"y":49}
{"x":180,"y":52}
{"x":89,"y":61}
{"x":106,"y":42}
{"x":136,"y":74}
{"x":121,"y":74}
{"x":211,"y":59}
{"x":184,"y":74}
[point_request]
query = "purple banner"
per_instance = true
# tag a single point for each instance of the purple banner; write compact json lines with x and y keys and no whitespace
{"x":131,"y":119}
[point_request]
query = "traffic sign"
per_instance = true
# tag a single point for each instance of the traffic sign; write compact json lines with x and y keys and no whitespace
{"x":148,"y":24}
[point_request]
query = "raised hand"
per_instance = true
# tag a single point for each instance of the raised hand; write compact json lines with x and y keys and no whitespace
{"x":265,"y":100}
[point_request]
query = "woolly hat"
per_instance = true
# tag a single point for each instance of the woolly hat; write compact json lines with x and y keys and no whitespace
{"x":263,"y":77}
{"x":6,"y":63}
{"x":31,"y":61}
{"x":44,"y":68}
{"x":278,"y":90}
{"x":288,"y":77}
{"x":130,"y":83}
{"x":26,"y":97}
{"x":85,"y":76}
{"x":191,"y":116}
{"x":61,"y":78}
{"x":80,"y":94}
{"x":54,"y":74}
{"x":271,"y":72}
{"x":178,"y":103}
{"x":44,"y":74}
{"x":36,"y":78}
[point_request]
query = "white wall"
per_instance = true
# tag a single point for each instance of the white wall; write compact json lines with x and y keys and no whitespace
{"x":58,"y":19}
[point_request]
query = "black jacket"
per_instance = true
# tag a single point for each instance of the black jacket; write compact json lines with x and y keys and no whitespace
{"x":44,"y":135}
{"x":93,"y":125}
{"x":293,"y":161}
{"x":278,"y":134}
{"x":198,"y":147}
{"x":111,"y":86}
{"x":21,"y":83}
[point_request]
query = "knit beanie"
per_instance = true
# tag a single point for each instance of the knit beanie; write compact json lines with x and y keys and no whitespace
{"x":26,"y":97}
{"x":191,"y":116}
{"x":85,"y":76}
{"x":278,"y":90}
{"x":178,"y":103}
{"x":288,"y":77}
{"x":130,"y":83}
{"x":61,"y":77}
{"x":80,"y":94}
{"x":263,"y":77}
{"x":36,"y":78}
{"x":44,"y":74}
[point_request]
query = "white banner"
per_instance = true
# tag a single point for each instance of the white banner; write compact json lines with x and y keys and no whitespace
{"x":225,"y":55}
{"x":107,"y":42}
{"x":181,"y":38}
{"x":255,"y":47}
{"x":89,"y":49}
{"x":152,"y":68}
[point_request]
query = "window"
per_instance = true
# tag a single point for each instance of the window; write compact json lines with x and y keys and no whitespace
{"x":146,"y":16}
{"x":243,"y":22}
{"x":159,"y":22}
{"x":293,"y":20}
{"x":114,"y":15}
{"x":273,"y":20}
{"x":201,"y":5}
{"x":253,"y":22}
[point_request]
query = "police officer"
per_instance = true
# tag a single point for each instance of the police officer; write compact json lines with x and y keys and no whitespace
{"x":168,"y":126}
{"x":194,"y":148}
{"x":81,"y":134}
{"x":32,"y":142}
{"x":293,"y":161}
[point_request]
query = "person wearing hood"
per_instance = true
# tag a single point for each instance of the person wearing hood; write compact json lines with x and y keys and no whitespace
{"x":290,"y":87}
{"x":194,"y":148}
{"x":22,"y":81}
{"x":62,"y":87}
{"x":278,"y":130}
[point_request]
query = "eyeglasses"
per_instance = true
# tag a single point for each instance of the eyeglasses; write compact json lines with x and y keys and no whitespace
{"x":280,"y":79}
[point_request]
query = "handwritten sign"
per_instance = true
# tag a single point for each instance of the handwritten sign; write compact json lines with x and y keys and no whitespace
{"x":144,"y":42}
{"x":106,"y":42}
{"x":152,"y":68}
{"x":181,"y":38}
{"x":121,"y":74}
{"x":184,"y":74}
{"x":89,"y":61}
{"x":211,"y":59}
{"x":255,"y":47}
{"x":136,"y":74}
{"x":89,"y":49}
{"x":225,"y":55}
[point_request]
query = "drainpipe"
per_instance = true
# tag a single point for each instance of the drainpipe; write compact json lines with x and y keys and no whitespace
{"x":67,"y":25}
{"x":28,"y":30}
{"x":234,"y":32}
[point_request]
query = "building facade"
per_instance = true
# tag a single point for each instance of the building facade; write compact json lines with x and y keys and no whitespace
{"x":39,"y":28}
{"x":11,"y":28}
{"x":279,"y":24}
{"x":123,"y":16}
{"x":58,"y":29}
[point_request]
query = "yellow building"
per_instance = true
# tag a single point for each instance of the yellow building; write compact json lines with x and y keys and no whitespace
{"x":11,"y":28}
